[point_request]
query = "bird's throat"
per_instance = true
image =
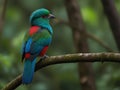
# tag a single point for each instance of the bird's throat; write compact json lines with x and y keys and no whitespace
{"x":33,"y":30}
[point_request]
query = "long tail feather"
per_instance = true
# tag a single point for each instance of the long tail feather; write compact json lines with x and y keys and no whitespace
{"x":28,"y":72}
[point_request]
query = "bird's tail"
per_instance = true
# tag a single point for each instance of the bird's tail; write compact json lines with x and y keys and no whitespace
{"x":29,"y":67}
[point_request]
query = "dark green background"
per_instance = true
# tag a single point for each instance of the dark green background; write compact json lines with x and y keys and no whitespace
{"x":56,"y":77}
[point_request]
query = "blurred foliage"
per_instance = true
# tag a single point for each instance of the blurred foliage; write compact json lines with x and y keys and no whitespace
{"x":56,"y":77}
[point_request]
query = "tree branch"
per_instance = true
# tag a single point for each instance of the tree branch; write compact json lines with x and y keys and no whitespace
{"x":99,"y":41}
{"x":113,"y":18}
{"x":69,"y":58}
{"x":4,"y":9}
{"x":88,"y":35}
{"x":2,"y":16}
{"x":80,"y":41}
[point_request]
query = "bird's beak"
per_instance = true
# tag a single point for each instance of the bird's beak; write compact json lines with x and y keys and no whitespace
{"x":51,"y":16}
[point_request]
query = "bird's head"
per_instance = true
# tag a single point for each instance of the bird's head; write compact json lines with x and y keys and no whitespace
{"x":41,"y":17}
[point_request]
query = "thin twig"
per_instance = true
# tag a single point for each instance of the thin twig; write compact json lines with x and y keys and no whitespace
{"x":89,"y":35}
{"x":99,"y":41}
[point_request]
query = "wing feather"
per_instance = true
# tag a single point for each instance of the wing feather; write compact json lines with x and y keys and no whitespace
{"x":35,"y":43}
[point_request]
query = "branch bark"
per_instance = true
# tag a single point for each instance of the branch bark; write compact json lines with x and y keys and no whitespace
{"x":69,"y":58}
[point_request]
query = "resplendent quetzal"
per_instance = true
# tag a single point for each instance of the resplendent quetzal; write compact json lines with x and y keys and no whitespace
{"x":38,"y":38}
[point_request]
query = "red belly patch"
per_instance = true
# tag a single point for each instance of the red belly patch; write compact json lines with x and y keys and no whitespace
{"x":44,"y":50}
{"x":27,"y":55}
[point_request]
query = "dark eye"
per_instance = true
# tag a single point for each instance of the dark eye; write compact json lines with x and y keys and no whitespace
{"x":45,"y":16}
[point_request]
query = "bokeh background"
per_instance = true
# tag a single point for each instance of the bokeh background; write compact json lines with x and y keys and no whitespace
{"x":62,"y":76}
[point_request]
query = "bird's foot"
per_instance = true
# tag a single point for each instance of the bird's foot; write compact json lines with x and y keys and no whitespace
{"x":44,"y":57}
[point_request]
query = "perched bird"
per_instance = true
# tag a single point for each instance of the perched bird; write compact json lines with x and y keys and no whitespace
{"x":38,"y":38}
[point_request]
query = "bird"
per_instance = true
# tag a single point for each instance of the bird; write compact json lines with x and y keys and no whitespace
{"x":37,"y":40}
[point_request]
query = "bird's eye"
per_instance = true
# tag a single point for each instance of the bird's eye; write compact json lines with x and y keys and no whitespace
{"x":44,"y":16}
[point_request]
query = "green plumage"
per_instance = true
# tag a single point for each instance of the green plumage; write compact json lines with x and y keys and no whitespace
{"x":37,"y":41}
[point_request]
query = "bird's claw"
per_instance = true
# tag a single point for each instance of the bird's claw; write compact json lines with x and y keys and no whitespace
{"x":44,"y":57}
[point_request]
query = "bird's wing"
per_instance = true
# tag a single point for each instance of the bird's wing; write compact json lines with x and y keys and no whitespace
{"x":40,"y":40}
{"x":26,"y":47}
{"x":36,"y":43}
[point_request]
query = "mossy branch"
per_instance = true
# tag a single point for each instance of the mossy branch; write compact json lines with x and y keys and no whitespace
{"x":68,"y":58}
